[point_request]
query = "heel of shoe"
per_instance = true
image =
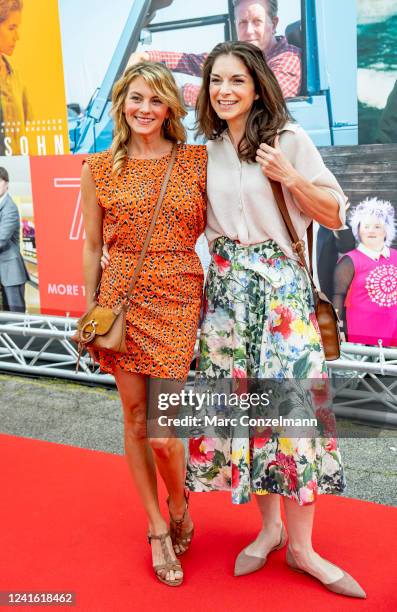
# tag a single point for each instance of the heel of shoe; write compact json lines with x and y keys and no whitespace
{"x":292,"y":563}
{"x":180,"y":538}
{"x":247,"y":564}
{"x":283,"y":539}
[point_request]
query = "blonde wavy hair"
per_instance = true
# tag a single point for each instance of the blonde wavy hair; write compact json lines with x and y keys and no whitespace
{"x":160,"y":80}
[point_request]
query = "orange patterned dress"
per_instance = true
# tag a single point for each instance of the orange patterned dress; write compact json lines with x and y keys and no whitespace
{"x":164,"y":308}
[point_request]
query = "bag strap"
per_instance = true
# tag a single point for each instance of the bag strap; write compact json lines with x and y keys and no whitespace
{"x":149,"y":234}
{"x":152,"y":224}
{"x":298,"y":246}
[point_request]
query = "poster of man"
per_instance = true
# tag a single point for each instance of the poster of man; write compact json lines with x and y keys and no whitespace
{"x":13,"y":273}
{"x":256,"y":21}
{"x":316,"y":73}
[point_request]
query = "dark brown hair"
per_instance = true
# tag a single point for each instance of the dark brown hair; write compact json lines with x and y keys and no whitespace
{"x":4,"y":175}
{"x":269,"y":112}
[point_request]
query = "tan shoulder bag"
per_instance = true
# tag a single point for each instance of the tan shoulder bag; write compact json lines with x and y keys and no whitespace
{"x":326,"y":314}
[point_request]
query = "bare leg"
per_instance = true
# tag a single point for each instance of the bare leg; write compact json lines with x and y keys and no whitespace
{"x":169,"y":455}
{"x":269,"y":535}
{"x":132,"y":389}
{"x":300,"y":524}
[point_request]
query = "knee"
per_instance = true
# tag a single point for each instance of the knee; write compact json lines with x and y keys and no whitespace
{"x":135,"y":431}
{"x":135,"y":423}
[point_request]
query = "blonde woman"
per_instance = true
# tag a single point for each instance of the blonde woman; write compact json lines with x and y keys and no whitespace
{"x":120,"y":188}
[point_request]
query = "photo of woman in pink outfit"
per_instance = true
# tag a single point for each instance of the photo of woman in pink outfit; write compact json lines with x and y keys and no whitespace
{"x":366,"y":277}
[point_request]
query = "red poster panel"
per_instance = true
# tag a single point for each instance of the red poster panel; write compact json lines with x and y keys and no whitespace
{"x":59,"y":233}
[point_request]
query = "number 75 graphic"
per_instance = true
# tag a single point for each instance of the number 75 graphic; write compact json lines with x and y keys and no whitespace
{"x":76,"y":230}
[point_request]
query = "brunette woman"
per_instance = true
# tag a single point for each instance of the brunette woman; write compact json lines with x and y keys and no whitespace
{"x":259,"y":319}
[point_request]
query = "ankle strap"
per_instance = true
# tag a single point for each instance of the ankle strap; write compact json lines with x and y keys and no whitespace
{"x":160,"y":537}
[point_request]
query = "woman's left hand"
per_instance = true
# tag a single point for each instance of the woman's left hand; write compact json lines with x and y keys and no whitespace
{"x":105,"y":259}
{"x":274,"y":164}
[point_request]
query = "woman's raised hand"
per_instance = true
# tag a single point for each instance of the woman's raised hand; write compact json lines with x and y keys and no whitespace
{"x":274,"y":164}
{"x":105,"y":259}
{"x":136,"y":58}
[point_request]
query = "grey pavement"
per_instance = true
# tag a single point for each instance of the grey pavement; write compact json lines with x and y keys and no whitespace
{"x":90,"y":417}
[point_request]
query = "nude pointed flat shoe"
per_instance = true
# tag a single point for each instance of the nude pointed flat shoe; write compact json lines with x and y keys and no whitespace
{"x":343,"y":586}
{"x":247,"y":564}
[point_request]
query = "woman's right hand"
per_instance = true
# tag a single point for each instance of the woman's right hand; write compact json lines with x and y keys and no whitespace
{"x":105,"y":259}
{"x":136,"y":58}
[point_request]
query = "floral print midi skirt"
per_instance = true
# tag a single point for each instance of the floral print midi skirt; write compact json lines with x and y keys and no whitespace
{"x":259,"y":322}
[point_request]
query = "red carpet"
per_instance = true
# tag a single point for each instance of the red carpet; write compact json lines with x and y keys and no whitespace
{"x":70,"y":520}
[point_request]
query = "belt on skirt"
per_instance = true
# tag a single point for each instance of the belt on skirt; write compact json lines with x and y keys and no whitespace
{"x":250,"y":258}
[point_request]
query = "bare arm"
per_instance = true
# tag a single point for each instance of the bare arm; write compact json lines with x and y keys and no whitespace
{"x":315,"y":202}
{"x":185,"y":63}
{"x":93,"y":219}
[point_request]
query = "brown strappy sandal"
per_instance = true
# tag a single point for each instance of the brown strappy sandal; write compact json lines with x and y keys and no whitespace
{"x":161,"y":569}
{"x":180,"y":537}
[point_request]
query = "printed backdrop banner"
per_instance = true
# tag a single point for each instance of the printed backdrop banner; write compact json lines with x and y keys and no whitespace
{"x":357,"y":267}
{"x":59,"y":233}
{"x":377,"y":71}
{"x":321,"y":94}
{"x":174,"y":39}
{"x":20,"y":194}
{"x":32,"y":92}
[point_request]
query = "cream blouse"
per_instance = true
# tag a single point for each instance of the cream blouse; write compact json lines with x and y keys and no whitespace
{"x":241,"y":205}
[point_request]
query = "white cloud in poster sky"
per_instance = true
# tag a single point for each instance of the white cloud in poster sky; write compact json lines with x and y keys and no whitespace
{"x":373,"y":11}
{"x":91,"y":29}
{"x":375,"y":82}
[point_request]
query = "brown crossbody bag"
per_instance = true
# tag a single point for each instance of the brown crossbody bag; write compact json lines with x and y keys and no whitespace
{"x":326,"y":315}
{"x":102,"y":328}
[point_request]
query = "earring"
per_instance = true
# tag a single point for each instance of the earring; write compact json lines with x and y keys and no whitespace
{"x":167,"y":123}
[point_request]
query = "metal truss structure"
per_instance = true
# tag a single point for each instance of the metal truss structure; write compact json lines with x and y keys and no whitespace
{"x":365,"y":376}
{"x":41,"y":346}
